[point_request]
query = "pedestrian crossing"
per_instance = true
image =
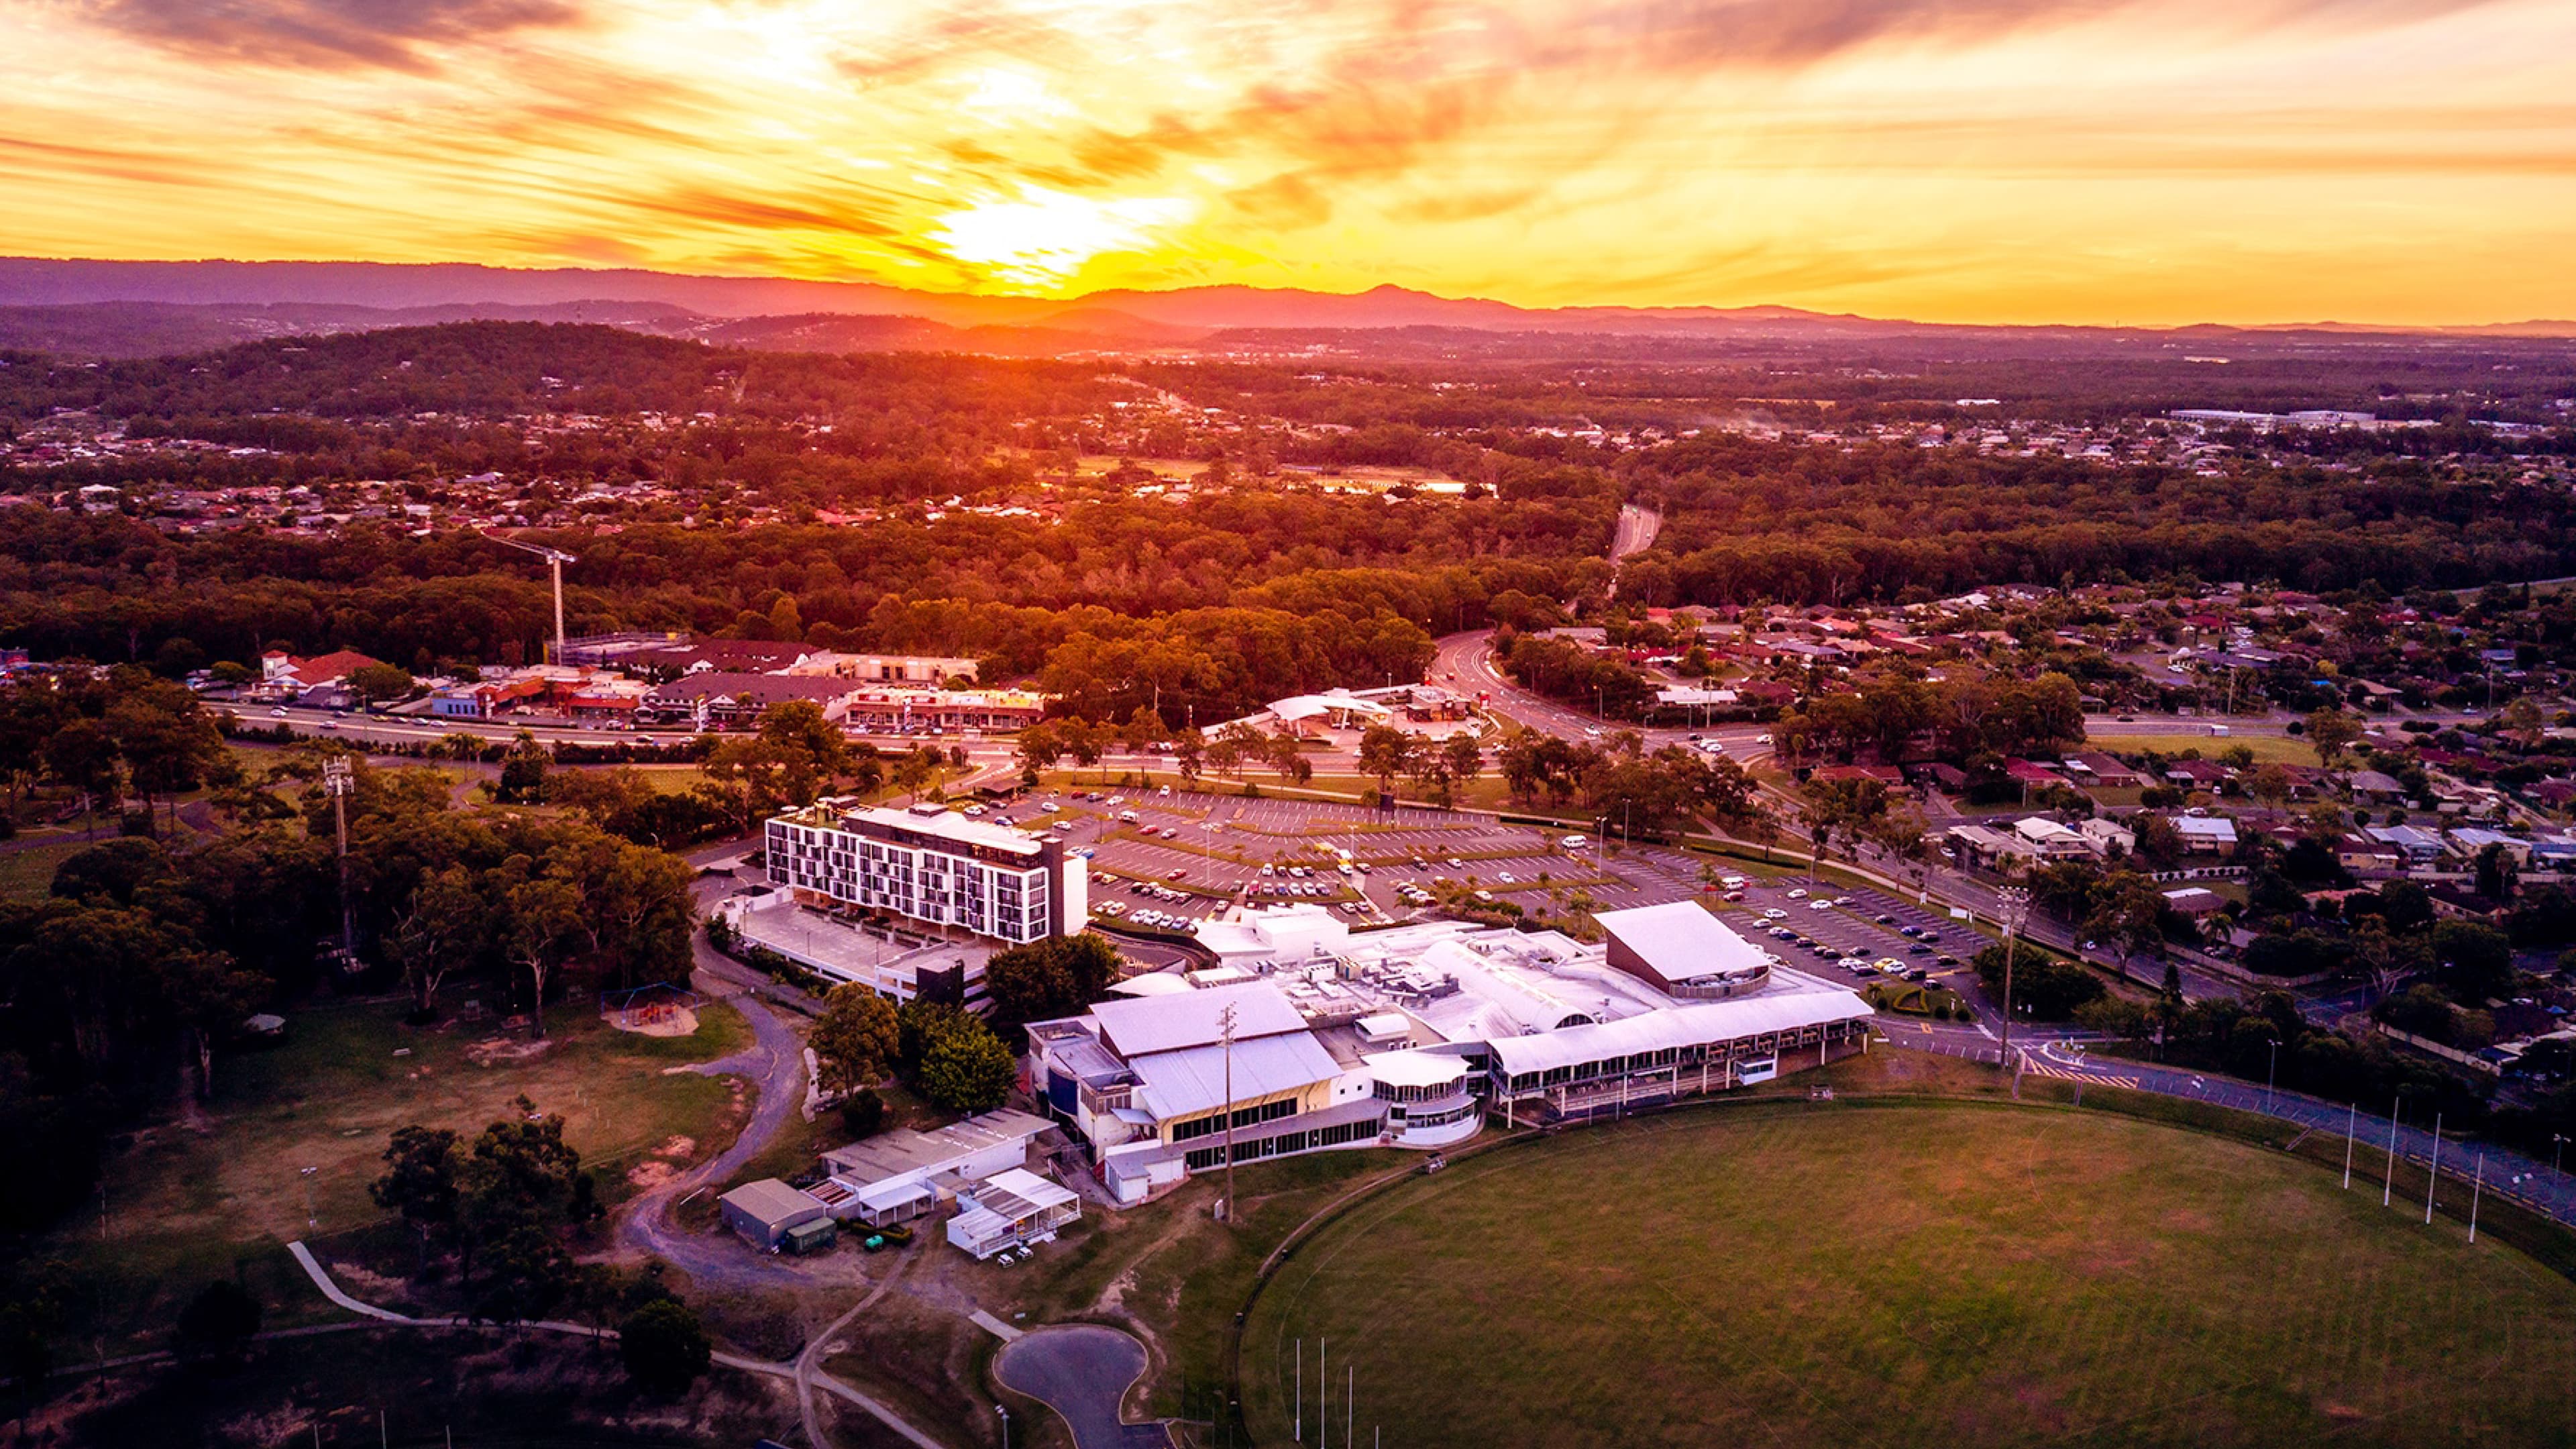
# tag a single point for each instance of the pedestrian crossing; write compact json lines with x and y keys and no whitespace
{"x":2038,"y":1068}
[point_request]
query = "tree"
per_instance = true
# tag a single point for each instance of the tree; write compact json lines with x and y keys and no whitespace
{"x":1039,"y":748}
{"x":523,"y":772}
{"x":2127,"y":912}
{"x":1057,"y":976}
{"x":1189,"y":755}
{"x":855,"y":1039}
{"x":518,"y":1187}
{"x":2497,"y":871}
{"x":665,"y":1348}
{"x":376,"y":683}
{"x":539,"y":919}
{"x":419,"y":1181}
{"x":1386,"y":752}
{"x":2330,"y":733}
{"x":2474,"y":962}
{"x":218,"y":1323}
{"x":965,"y":1068}
{"x":1463,"y":756}
{"x":446,"y":925}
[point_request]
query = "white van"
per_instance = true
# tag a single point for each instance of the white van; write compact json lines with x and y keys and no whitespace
{"x":1574,"y":842}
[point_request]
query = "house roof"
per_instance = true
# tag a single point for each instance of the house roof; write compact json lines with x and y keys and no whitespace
{"x":771,"y":1201}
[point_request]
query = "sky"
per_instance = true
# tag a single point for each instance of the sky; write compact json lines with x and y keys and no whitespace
{"x":2091,"y":161}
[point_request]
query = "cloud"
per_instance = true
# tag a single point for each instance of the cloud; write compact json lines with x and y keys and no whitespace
{"x":324,"y":34}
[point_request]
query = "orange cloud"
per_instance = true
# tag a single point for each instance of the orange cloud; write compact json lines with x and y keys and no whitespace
{"x":2019,"y":160}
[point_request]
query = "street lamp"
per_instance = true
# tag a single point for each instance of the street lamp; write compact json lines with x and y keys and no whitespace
{"x":2271,"y":1073}
{"x":2015,"y":903}
{"x":2557,"y":1152}
{"x":307,"y":1174}
{"x":1006,"y":1424}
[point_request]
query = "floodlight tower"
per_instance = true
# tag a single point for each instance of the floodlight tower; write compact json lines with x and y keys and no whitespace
{"x":337,"y":782}
{"x":2016,"y":908}
{"x":1226,"y":1021}
{"x":555,"y":560}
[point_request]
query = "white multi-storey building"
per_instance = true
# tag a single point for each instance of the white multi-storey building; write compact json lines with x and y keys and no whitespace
{"x":929,"y":864}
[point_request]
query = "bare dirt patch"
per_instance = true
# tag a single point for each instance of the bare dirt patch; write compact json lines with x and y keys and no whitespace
{"x":652,"y":1173}
{"x":499,"y":1049}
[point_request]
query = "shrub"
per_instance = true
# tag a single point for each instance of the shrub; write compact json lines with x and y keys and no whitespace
{"x":219,"y":1323}
{"x":863,"y":1113}
{"x":665,"y":1347}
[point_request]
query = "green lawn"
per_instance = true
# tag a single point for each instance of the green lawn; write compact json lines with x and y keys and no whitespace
{"x":190,"y":1201}
{"x":1889,"y":1273}
{"x":2267,"y":749}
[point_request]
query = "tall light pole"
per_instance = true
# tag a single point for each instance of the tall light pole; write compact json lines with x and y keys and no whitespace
{"x":337,"y":782}
{"x":1225,"y":1028}
{"x":2271,"y":1073}
{"x":2558,"y":1153}
{"x":2015,"y":902}
{"x":310,"y":1220}
{"x":1005,"y":1411}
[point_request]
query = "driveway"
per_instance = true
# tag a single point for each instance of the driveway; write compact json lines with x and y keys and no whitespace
{"x":775,"y":1065}
{"x":1082,"y":1371}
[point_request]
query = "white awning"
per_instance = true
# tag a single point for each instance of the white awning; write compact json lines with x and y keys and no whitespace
{"x":1703,"y":1025}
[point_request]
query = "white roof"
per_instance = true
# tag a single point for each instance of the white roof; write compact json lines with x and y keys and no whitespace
{"x":1017,"y":1192}
{"x":1385,"y":1023}
{"x":2214,"y":827}
{"x":1416,"y":1069}
{"x":1307,"y":706}
{"x":947,"y":825}
{"x":1714,"y":1021}
{"x":1179,"y":1083}
{"x":1187,"y":1019}
{"x":2040,"y":827}
{"x":1680,"y":942}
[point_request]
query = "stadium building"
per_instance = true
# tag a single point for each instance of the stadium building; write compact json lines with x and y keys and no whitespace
{"x":1410,"y":1037}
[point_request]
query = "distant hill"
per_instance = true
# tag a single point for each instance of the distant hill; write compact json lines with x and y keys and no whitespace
{"x":114,"y":309}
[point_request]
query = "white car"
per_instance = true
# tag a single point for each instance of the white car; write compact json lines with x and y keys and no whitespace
{"x":1797,"y":895}
{"x":1505,"y":877}
{"x":279,"y":713}
{"x":1574,"y":842}
{"x":1820,"y":905}
{"x":1774,"y":913}
{"x":974,"y":809}
{"x":1731,"y":882}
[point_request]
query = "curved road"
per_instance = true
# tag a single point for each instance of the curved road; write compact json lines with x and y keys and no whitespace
{"x":775,"y":1066}
{"x":2507,"y":1173}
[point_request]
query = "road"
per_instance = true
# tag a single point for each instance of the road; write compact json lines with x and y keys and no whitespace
{"x":774,"y":1065}
{"x":2506,"y":1173}
{"x":1634,"y":534}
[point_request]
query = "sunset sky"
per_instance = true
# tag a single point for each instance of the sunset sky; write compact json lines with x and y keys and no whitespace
{"x":2400,"y":161}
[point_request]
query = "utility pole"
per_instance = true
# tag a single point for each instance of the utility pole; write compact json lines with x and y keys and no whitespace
{"x":1225,"y":1025}
{"x":2016,"y":907}
{"x":337,"y":782}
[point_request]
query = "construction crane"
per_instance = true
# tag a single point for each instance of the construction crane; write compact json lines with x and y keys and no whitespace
{"x":555,"y":560}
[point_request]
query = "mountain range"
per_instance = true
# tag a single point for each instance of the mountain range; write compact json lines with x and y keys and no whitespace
{"x":98,"y":307}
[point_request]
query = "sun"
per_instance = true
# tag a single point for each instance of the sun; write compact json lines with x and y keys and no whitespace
{"x":1043,"y":237}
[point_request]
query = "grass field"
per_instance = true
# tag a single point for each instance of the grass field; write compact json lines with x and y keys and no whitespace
{"x":192,"y":1200}
{"x":2267,"y":749}
{"x":1888,"y":1273}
